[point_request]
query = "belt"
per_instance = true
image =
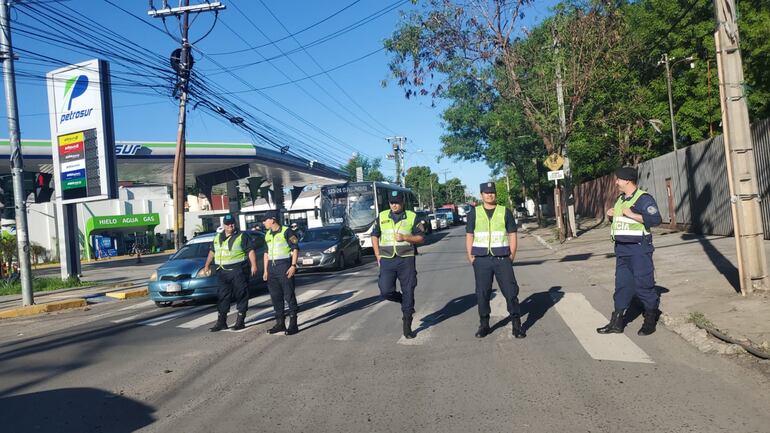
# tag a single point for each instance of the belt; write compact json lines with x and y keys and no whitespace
{"x":236,"y":267}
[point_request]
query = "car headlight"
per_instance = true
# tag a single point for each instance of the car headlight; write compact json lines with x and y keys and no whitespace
{"x":331,"y":249}
{"x":201,"y":273}
{"x":154,"y":276}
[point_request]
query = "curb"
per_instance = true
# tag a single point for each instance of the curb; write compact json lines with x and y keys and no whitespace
{"x":43,"y":308}
{"x":128,"y":294}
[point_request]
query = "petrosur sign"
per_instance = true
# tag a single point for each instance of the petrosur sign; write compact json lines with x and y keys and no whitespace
{"x":82,"y":136}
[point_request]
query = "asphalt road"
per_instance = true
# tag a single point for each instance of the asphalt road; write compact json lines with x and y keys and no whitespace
{"x":128,"y":366}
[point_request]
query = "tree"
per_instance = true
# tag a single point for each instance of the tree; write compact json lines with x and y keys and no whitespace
{"x":371,"y":168}
{"x":422,"y":181}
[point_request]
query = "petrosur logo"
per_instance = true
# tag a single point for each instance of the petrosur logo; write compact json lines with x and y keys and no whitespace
{"x":74,"y":88}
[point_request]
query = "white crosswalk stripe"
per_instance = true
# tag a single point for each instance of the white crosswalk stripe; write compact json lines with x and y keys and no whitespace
{"x":347,"y":334}
{"x":583,"y":320}
{"x":155,"y":321}
{"x":265,"y":314}
{"x":138,"y":306}
{"x":498,"y":307}
{"x":307,"y":316}
{"x":211,"y":317}
{"x":425,"y":334}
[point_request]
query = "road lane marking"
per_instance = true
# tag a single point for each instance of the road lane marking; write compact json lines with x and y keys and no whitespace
{"x":583,"y":319}
{"x":138,"y":306}
{"x":304,"y":317}
{"x":266,"y":314}
{"x":347,"y":334}
{"x":498,"y":306}
{"x":423,"y":335}
{"x":155,"y":321}
{"x":211,"y":317}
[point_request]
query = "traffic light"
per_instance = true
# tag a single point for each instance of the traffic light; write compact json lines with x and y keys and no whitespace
{"x":42,"y":188}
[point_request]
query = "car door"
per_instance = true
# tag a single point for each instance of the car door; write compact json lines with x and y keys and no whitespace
{"x":346,"y":239}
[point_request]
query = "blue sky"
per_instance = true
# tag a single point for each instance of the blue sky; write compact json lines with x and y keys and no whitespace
{"x":360,"y":115}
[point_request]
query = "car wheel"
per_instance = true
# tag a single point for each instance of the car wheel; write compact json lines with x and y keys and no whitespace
{"x":162,"y":304}
{"x":341,"y":262}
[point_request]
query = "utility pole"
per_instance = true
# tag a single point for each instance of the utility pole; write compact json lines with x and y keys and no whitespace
{"x":17,"y":164}
{"x":449,"y":197}
{"x":399,"y":148}
{"x":739,"y":152}
{"x":185,"y":64}
{"x":572,"y":226}
{"x":432,"y":203}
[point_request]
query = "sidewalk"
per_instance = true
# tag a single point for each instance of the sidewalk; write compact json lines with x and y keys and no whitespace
{"x":697,"y":273}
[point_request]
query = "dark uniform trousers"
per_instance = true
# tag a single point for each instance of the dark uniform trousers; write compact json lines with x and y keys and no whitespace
{"x":233,"y":284}
{"x":404,"y":270}
{"x":635,"y":276}
{"x":484,"y":268}
{"x":281,"y":287}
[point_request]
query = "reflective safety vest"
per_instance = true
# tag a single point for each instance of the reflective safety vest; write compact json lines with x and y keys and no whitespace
{"x":625,"y":229}
{"x":277,"y":246}
{"x":225,"y":254}
{"x":490,"y":238}
{"x":389,"y":248}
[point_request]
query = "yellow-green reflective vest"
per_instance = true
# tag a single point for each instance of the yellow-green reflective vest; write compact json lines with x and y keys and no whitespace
{"x":277,"y":246}
{"x":625,"y":229}
{"x":490,"y":238}
{"x":224,"y":254}
{"x":389,"y":248}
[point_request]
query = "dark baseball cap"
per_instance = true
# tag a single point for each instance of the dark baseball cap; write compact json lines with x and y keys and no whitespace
{"x":396,"y":197}
{"x":228,"y":219}
{"x":488,"y":187}
{"x":271,"y":214}
{"x":627,"y":173}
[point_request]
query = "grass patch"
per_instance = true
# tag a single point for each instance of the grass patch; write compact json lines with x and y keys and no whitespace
{"x":42,"y":285}
{"x":700,"y":320}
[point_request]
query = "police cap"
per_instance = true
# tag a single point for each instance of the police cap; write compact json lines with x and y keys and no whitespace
{"x":627,"y":173}
{"x":488,"y":187}
{"x":229,"y":219}
{"x":271,"y":214}
{"x":396,"y":197}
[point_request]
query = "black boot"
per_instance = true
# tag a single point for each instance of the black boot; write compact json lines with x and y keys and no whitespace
{"x":221,"y":324}
{"x":293,"y":329}
{"x":650,"y":320}
{"x":516,"y":328}
{"x":408,"y":333}
{"x":483,"y":327}
{"x":615,"y":326}
{"x":239,"y":322}
{"x":280,"y":325}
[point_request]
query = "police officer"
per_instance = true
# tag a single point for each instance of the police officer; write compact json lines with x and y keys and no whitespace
{"x":635,"y":211}
{"x":490,"y":241}
{"x":395,"y":234}
{"x":280,"y":261}
{"x":229,"y":252}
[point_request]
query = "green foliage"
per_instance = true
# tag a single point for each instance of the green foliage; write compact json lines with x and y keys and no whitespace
{"x":426,"y":186}
{"x":8,"y":287}
{"x":371,"y":168}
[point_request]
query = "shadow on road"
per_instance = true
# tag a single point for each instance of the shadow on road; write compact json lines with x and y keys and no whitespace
{"x":341,"y":311}
{"x":537,"y":304}
{"x":74,"y":410}
{"x":455,"y":307}
{"x":637,"y":308}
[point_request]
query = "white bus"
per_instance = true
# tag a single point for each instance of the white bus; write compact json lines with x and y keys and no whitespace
{"x":357,"y":204}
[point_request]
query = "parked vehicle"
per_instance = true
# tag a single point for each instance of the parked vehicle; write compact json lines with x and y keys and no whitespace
{"x":181,"y":279}
{"x":443,"y":220}
{"x":422,"y":216}
{"x":449,"y":214}
{"x":334,"y":246}
{"x":434,"y":223}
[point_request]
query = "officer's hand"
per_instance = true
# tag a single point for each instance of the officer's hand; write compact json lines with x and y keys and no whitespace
{"x":291,"y":271}
{"x":611,"y":212}
{"x":264,"y":275}
{"x":471,"y":258}
{"x":378,"y":260}
{"x":628,"y":212}
{"x":399,"y":237}
{"x":206,"y":271}
{"x":254,"y":270}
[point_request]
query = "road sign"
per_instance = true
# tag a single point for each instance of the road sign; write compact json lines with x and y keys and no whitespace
{"x":556,"y":175}
{"x":554,"y":161}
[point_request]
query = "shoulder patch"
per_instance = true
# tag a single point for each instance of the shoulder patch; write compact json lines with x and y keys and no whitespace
{"x":652,"y":210}
{"x":293,"y":239}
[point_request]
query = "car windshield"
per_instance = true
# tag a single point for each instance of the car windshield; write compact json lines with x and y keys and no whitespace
{"x":197,"y":250}
{"x":321,"y":235}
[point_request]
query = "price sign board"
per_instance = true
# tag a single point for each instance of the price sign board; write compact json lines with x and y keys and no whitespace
{"x":82,"y":136}
{"x":556,"y":175}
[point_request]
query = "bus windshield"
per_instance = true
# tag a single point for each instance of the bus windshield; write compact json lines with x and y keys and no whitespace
{"x":351,"y":204}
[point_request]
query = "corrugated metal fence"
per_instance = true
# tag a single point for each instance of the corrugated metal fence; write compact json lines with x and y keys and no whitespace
{"x":690,"y":185}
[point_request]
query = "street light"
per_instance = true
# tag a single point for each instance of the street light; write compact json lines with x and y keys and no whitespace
{"x":665,"y":60}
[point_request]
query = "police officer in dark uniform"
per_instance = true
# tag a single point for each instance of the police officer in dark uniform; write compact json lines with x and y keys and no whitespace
{"x":490,"y":241}
{"x":394,"y":236}
{"x":635,"y":211}
{"x":232,"y":252}
{"x":280,"y":261}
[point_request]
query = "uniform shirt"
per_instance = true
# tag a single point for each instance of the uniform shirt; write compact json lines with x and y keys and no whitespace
{"x":396,"y":217}
{"x":510,"y":221}
{"x":246,"y":243}
{"x":648,"y":209}
{"x":291,"y":238}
